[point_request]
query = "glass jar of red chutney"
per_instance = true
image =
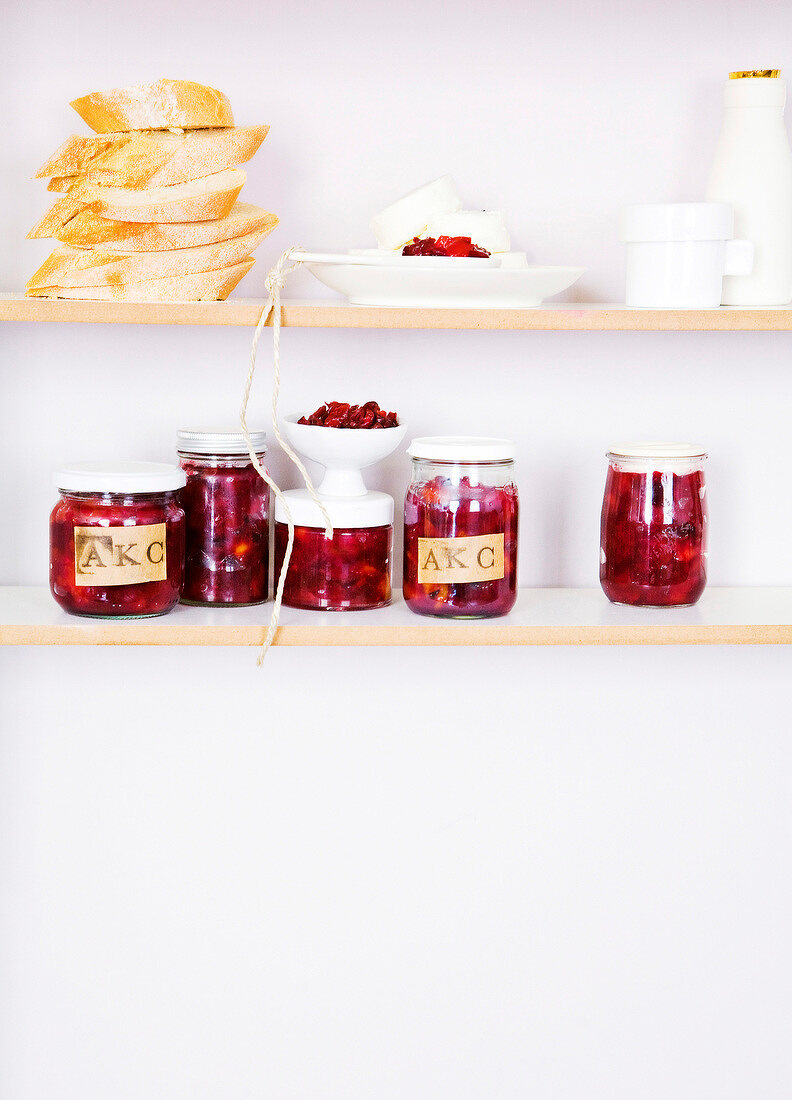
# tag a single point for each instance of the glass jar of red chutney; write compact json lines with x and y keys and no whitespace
{"x":227,"y":506}
{"x":117,"y":539}
{"x":349,"y":572}
{"x":460,"y":527}
{"x":653,"y":536}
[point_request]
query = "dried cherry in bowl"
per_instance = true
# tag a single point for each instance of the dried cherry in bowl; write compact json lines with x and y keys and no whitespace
{"x":343,"y":414}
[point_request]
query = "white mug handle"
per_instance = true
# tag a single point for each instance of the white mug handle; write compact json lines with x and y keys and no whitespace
{"x":739,"y":258}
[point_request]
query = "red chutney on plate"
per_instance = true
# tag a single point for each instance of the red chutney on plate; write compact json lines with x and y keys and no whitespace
{"x":653,"y":537}
{"x":462,"y":247}
{"x":117,"y":539}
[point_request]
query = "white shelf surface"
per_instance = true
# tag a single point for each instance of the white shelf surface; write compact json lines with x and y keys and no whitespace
{"x":543,"y":616}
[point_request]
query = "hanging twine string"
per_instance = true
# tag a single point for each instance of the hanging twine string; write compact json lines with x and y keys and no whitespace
{"x":276,"y":280}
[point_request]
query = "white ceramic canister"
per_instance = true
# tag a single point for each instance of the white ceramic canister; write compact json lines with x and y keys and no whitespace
{"x":678,"y":253}
{"x":752,"y":171}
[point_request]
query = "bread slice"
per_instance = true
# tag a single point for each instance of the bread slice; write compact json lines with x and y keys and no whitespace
{"x":62,"y":183}
{"x":163,"y":105}
{"x":73,"y":267}
{"x":77,"y":152}
{"x":204,"y":199}
{"x":58,"y":215}
{"x":88,"y":230}
{"x":162,"y":159}
{"x":200,"y":200}
{"x":201,"y":286}
{"x":147,"y":153}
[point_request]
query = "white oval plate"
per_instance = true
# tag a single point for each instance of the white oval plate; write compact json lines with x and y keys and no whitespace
{"x":420,"y":287}
{"x":374,"y":257}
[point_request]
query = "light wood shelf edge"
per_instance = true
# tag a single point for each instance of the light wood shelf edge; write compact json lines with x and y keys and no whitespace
{"x":547,"y":617}
{"x":291,"y":636}
{"x":240,"y":312}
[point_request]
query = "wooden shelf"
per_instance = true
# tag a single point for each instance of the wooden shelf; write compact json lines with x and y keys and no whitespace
{"x":543,"y":616}
{"x":241,"y":312}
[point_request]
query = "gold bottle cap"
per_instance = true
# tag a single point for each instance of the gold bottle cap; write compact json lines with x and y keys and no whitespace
{"x":754,"y":72}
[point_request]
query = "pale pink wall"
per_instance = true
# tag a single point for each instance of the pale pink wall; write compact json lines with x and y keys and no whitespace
{"x":557,"y":874}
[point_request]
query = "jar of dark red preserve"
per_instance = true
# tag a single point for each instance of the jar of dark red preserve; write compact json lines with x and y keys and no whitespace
{"x":653,"y":535}
{"x":350,"y":571}
{"x":460,"y":527}
{"x":227,"y":506}
{"x":117,"y":539}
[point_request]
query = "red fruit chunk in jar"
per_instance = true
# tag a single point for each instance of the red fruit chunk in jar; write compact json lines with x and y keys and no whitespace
{"x":110,"y":510}
{"x":350,"y":572}
{"x":445,"y":246}
{"x":653,"y":538}
{"x":226,"y":507}
{"x":442,"y":508}
{"x":340,"y":414}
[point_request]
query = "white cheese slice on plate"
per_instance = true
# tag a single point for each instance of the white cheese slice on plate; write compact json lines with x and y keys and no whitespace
{"x":410,"y":215}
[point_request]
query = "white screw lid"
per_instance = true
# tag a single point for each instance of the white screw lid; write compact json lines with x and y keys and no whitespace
{"x":462,"y":448}
{"x":209,"y":441}
{"x":119,"y":477}
{"x":657,"y":450}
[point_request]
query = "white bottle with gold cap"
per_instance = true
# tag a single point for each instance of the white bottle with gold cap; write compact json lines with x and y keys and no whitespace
{"x":752,"y":171}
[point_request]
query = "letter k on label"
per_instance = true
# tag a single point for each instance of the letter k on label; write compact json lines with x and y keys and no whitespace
{"x":122,"y":555}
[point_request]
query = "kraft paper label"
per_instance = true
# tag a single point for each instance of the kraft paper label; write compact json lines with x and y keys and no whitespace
{"x":459,"y":561}
{"x":105,"y":556}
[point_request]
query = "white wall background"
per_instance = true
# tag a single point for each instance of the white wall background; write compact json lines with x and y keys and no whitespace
{"x":559,"y":874}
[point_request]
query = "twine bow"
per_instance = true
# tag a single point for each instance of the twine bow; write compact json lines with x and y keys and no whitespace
{"x":276,"y":280}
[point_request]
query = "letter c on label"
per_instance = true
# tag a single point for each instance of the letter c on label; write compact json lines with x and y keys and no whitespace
{"x":484,"y":550}
{"x":155,"y":561}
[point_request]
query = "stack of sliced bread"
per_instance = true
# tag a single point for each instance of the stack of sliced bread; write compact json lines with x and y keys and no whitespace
{"x":148,"y":207}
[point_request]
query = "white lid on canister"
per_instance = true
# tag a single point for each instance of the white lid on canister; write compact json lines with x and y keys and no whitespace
{"x":462,"y":448}
{"x":372,"y":510}
{"x":657,"y":450}
{"x":210,"y":441}
{"x":119,"y":477}
{"x":677,"y":221}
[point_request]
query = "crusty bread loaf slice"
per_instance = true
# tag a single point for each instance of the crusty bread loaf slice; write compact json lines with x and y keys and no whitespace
{"x":204,"y":199}
{"x":199,"y":287}
{"x":200,"y":200}
{"x":58,"y":215}
{"x":162,"y":159}
{"x":148,"y":152}
{"x":163,"y":105}
{"x":77,"y":152}
{"x":88,"y":230}
{"x":73,"y":267}
{"x":62,"y":183}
